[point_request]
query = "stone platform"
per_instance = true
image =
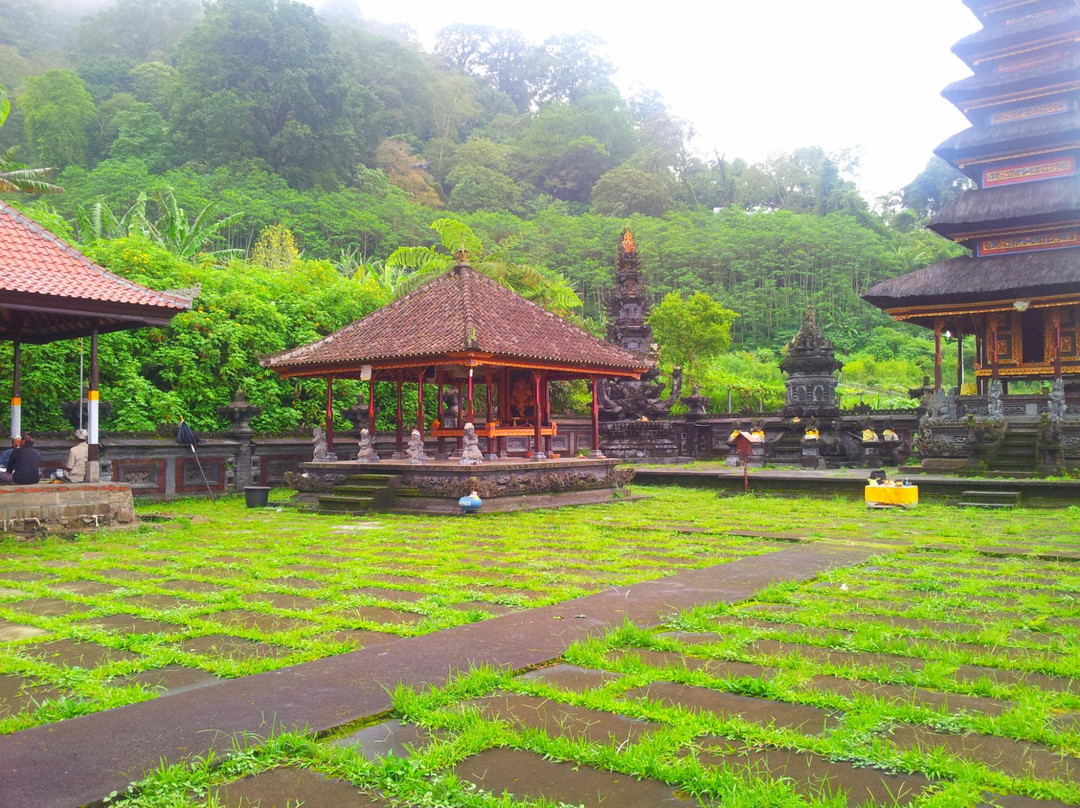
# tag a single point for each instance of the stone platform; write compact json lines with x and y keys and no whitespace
{"x":58,"y":507}
{"x":435,"y":487}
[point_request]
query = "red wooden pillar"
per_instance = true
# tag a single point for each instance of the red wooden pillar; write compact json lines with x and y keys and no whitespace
{"x":329,"y":414}
{"x":371,"y":406}
{"x":538,"y":406}
{"x":472,"y":409}
{"x":994,"y":351}
{"x":492,"y":451}
{"x":504,"y":408}
{"x":959,"y":358}
{"x":93,"y":403}
{"x":420,"y":402}
{"x":399,"y":438}
{"x":440,"y":452}
{"x":1057,"y":345}
{"x":937,"y":355}
{"x":461,"y":411}
{"x":546,"y":388}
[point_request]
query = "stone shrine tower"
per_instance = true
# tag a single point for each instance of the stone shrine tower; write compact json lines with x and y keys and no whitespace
{"x":628,"y":307}
{"x":811,"y":366}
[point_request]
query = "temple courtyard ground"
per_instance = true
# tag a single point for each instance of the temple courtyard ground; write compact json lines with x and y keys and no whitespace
{"x":682,"y":650}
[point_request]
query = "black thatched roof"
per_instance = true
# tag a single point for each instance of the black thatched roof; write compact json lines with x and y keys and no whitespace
{"x":1023,"y":135}
{"x":1019,"y":205}
{"x":966,"y":280}
{"x":989,"y":83}
{"x":997,"y":35}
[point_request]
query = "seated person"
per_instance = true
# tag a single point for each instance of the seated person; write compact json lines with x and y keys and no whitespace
{"x":74,"y":470}
{"x":5,"y":456}
{"x":24,"y":465}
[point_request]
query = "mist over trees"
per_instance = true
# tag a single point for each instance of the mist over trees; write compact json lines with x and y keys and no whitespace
{"x":345,"y":140}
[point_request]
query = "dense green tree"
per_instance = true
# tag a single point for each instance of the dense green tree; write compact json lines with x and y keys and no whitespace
{"x":624,"y":191}
{"x":139,"y":30}
{"x":935,"y":187}
{"x":259,"y":78}
{"x":690,"y":329}
{"x":15,"y":176}
{"x":59,"y":117}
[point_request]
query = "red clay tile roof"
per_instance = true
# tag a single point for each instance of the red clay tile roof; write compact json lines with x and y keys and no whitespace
{"x":458,"y":313}
{"x":61,"y":293}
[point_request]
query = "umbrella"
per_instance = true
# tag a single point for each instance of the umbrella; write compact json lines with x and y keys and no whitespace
{"x":185,"y":436}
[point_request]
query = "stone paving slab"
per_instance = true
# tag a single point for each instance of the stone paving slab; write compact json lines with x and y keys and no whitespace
{"x":1012,"y":757}
{"x":920,"y":696}
{"x":19,"y":692}
{"x":48,"y":607}
{"x":391,"y":737}
{"x":810,"y":773}
{"x":766,"y":712}
{"x":562,"y":720}
{"x":82,"y":759}
{"x":287,"y":787}
{"x":572,"y":678}
{"x":18,"y":631}
{"x":525,"y":775}
{"x":74,"y":653}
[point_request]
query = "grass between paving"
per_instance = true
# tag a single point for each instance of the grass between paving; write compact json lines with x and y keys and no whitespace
{"x":944,"y":604}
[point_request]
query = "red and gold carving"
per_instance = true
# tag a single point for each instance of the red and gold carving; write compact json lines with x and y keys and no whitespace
{"x":1036,"y":111}
{"x":1028,"y":60}
{"x":1031,"y":243}
{"x":1029,"y":172}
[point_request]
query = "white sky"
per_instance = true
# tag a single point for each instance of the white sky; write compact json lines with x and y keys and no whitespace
{"x":755,"y":78}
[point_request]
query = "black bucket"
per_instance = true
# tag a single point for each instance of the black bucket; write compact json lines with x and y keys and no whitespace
{"x":257,"y":496}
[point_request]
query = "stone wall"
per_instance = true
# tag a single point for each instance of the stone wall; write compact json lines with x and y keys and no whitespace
{"x":51,"y":506}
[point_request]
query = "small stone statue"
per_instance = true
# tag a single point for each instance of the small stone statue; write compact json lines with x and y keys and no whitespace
{"x":320,"y":454}
{"x":995,"y":408}
{"x":1056,"y":406}
{"x":471,"y":454}
{"x":415,"y":452}
{"x":366,"y":454}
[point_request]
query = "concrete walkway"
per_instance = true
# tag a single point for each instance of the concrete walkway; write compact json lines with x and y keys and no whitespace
{"x":79,"y":761}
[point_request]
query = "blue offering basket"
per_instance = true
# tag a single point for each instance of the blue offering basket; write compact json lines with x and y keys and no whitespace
{"x":470,"y":503}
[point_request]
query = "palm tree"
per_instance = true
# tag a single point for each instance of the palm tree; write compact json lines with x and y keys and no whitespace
{"x":419,"y":265}
{"x":15,"y":176}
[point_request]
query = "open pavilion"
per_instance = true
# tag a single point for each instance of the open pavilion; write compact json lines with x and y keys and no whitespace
{"x":49,"y":291}
{"x":467,"y":333}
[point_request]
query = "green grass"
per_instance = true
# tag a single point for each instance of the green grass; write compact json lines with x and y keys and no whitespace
{"x":932,"y":598}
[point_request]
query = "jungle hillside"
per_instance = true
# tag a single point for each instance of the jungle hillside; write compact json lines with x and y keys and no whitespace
{"x":295,"y":169}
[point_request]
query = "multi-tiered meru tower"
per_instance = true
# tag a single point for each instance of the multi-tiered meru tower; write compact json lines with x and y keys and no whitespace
{"x":1018,"y":292}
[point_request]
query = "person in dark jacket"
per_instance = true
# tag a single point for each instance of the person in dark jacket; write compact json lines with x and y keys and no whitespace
{"x":5,"y":456}
{"x":24,"y":464}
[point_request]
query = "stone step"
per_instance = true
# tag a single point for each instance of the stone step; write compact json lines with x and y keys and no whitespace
{"x":988,"y":506}
{"x":1010,"y":498}
{"x":357,"y":490}
{"x":336,"y":504}
{"x":380,"y":480}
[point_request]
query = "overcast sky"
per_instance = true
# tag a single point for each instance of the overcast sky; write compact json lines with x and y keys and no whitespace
{"x":755,"y":78}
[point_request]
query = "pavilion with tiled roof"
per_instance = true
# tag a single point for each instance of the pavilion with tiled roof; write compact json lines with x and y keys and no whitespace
{"x":49,"y":291}
{"x":465,"y":330}
{"x":1018,"y":292}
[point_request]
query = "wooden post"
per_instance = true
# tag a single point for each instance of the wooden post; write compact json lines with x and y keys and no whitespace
{"x":937,"y":355}
{"x":959,"y":358}
{"x":371,"y":406}
{"x":420,"y":402}
{"x":994,"y":350}
{"x":504,"y":409}
{"x":538,"y":447}
{"x":596,"y":453}
{"x":471,"y":412}
{"x":330,"y":415}
{"x":492,"y":447}
{"x":16,"y":393}
{"x":1057,"y":345}
{"x":440,"y":451}
{"x":546,"y":388}
{"x":399,"y":442}
{"x":460,"y":415}
{"x":93,"y":405}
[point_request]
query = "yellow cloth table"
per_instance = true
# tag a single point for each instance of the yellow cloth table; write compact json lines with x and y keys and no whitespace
{"x":887,"y":496}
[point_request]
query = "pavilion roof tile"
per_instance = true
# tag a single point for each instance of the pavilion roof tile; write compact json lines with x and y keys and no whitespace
{"x":35,"y":262}
{"x":459,"y":312}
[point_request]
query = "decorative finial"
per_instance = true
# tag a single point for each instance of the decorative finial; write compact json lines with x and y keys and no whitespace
{"x":462,"y":256}
{"x":628,"y":240}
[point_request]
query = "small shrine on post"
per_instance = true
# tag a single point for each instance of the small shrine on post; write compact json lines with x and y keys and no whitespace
{"x":488,"y":354}
{"x":1018,"y":292}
